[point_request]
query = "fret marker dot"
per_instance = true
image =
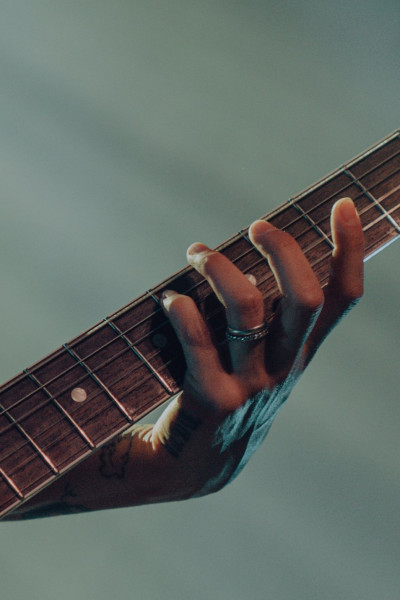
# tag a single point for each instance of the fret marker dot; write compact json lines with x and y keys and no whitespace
{"x":159,"y":340}
{"x":78,"y":395}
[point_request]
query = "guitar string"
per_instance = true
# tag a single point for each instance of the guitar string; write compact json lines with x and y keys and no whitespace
{"x":53,"y":444}
{"x":379,"y":219}
{"x":285,"y":206}
{"x":162,"y":324}
{"x":127,"y":348}
{"x":45,"y":449}
{"x":299,"y":218}
{"x":261,"y":260}
{"x":48,"y":447}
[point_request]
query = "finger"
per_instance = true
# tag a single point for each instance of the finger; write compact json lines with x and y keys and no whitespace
{"x":242,"y":300}
{"x":206,"y":382}
{"x":302,"y":295}
{"x":345,"y":286}
{"x":348,"y":254}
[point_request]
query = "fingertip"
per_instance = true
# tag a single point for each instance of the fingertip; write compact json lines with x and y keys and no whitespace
{"x":196,"y":253}
{"x":196,"y":247}
{"x":259,"y":229}
{"x":344,"y":211}
{"x":346,"y":227}
{"x":167,"y":297}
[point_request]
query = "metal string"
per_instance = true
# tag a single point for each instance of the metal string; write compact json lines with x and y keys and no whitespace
{"x":132,"y":388}
{"x":300,"y":217}
{"x":162,"y":324}
{"x":129,"y":391}
{"x":166,"y":321}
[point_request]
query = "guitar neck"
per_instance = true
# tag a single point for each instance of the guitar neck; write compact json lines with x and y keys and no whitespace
{"x":56,"y":413}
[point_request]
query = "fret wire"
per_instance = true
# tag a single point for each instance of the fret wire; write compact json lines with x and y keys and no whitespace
{"x":193,"y":287}
{"x":25,"y":434}
{"x":284,"y":207}
{"x":326,"y":200}
{"x":335,"y":193}
{"x":65,"y":389}
{"x":133,"y":388}
{"x":11,"y":484}
{"x":100,"y":383}
{"x":378,"y":219}
{"x":70,"y":464}
{"x":298,"y":219}
{"x":371,"y":224}
{"x":166,"y":321}
{"x":319,"y":184}
{"x":366,"y":228}
{"x":373,"y":149}
{"x":373,"y":199}
{"x":321,"y":258}
{"x":137,"y":353}
{"x":54,"y":400}
{"x":212,"y":315}
{"x":313,"y":224}
{"x":318,"y":241}
{"x":340,"y":170}
{"x":143,"y":338}
{"x":76,"y":382}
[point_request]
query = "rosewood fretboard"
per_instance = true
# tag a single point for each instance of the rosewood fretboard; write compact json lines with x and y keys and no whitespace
{"x":61,"y":409}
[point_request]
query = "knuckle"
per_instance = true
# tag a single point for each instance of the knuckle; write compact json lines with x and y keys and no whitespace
{"x":249,"y":303}
{"x":195,"y":335}
{"x":310,"y":299}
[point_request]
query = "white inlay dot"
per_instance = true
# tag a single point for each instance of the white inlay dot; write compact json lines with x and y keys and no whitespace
{"x":159,"y":340}
{"x":78,"y":395}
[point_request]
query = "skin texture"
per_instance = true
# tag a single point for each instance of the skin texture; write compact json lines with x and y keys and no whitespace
{"x":208,"y":433}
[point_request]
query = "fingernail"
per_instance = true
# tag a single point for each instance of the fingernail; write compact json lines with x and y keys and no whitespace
{"x":347,"y":210}
{"x":197,"y":252}
{"x":167,"y":298}
{"x":251,"y":278}
{"x":259,"y":228}
{"x":197,"y":247}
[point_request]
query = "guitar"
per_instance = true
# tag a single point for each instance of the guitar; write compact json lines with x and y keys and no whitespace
{"x":58,"y":412}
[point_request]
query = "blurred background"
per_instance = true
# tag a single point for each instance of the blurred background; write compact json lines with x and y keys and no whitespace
{"x":129,"y":130}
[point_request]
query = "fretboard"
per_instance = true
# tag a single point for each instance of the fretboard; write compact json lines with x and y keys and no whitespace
{"x":56,"y":413}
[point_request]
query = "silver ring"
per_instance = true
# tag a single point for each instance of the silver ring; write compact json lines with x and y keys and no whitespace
{"x":247,"y":335}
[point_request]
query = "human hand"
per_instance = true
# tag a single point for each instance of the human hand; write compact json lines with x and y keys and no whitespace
{"x":208,"y":432}
{"x":223,"y":415}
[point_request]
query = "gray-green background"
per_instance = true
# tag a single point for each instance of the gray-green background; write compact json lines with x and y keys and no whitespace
{"x":129,"y":129}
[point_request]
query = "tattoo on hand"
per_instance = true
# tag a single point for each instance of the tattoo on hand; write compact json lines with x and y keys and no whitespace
{"x":180,"y":432}
{"x":55,"y":509}
{"x":111,"y":464}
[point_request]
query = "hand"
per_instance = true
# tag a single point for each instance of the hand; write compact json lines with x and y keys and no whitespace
{"x":208,"y":432}
{"x":222,"y":416}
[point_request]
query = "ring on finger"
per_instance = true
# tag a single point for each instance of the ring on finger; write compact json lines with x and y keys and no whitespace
{"x":247,"y":335}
